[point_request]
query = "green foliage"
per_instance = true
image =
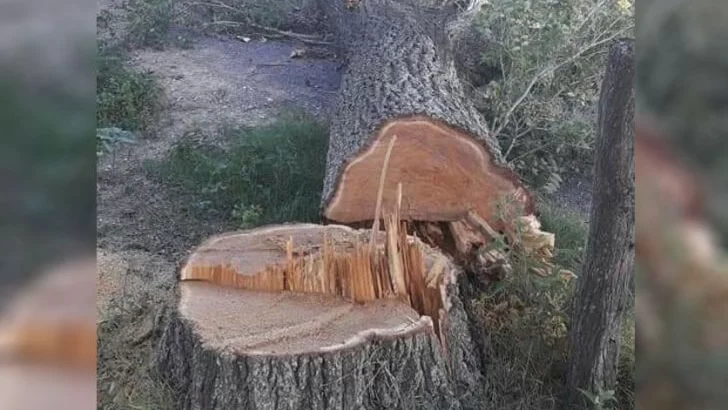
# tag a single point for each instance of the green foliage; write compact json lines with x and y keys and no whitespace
{"x":525,"y":318}
{"x":550,"y":57}
{"x":148,"y":22}
{"x":125,"y":98}
{"x":270,"y":174}
{"x":571,"y":232}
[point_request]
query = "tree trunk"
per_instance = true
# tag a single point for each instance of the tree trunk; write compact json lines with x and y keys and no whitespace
{"x":401,"y":80}
{"x":602,"y":288}
{"x":302,"y":317}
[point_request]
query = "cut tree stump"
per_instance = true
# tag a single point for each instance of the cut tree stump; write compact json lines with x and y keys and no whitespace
{"x":310,"y":317}
{"x":400,"y":80}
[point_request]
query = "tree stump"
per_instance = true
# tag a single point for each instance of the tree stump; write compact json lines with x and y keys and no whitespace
{"x":311,"y":317}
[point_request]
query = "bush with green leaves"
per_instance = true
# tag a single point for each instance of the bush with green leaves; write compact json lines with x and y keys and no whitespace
{"x":125,"y":98}
{"x":548,"y":59}
{"x":524,"y":320}
{"x":269,"y":174}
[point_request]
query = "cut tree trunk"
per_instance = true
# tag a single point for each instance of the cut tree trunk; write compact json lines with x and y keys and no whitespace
{"x":401,"y":81}
{"x":311,"y":317}
{"x":602,"y":289}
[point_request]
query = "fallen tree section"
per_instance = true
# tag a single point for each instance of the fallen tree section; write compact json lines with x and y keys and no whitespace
{"x":304,"y":317}
{"x":400,"y":81}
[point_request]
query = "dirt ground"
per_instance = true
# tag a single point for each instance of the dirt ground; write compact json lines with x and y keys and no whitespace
{"x":145,"y":230}
{"x":218,"y":82}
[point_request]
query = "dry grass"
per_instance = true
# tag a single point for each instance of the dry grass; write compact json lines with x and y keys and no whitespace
{"x":129,"y":329}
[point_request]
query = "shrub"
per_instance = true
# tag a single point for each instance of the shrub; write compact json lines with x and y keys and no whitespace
{"x":148,"y":22}
{"x":525,"y":321}
{"x":548,"y":57}
{"x":269,"y":174}
{"x":125,"y":98}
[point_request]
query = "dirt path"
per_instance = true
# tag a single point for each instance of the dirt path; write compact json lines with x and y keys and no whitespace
{"x":218,"y":82}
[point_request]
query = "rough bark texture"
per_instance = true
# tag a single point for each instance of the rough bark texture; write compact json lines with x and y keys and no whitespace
{"x":418,"y":369}
{"x":398,"y":66}
{"x":405,"y":373}
{"x":602,"y":288}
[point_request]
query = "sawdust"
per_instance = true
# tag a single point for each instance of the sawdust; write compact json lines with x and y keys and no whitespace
{"x":130,"y":278}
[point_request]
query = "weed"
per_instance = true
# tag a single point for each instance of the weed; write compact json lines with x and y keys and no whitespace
{"x":125,"y":98}
{"x":525,"y":319}
{"x":571,"y":232}
{"x":270,"y":174}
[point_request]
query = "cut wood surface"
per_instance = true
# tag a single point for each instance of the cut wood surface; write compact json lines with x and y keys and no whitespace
{"x":401,"y":81}
{"x":308,"y":316}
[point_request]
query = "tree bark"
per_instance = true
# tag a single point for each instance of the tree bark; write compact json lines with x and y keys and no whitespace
{"x":401,"y":80}
{"x":421,"y":367}
{"x":403,"y":373}
{"x":601,"y":291}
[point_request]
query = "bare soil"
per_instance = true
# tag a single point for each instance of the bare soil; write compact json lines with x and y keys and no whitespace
{"x":218,"y":82}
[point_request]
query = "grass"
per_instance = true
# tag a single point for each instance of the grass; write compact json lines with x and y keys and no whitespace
{"x":525,"y":319}
{"x":126,"y":379}
{"x":571,"y":232}
{"x":129,"y":330}
{"x":268,"y":175}
{"x":125,"y":98}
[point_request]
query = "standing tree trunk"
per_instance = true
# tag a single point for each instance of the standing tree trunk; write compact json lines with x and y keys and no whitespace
{"x":401,"y":80}
{"x":602,"y":288}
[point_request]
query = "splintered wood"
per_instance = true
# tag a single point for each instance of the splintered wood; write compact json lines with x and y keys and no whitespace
{"x":523,"y":236}
{"x":354,"y":271}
